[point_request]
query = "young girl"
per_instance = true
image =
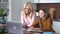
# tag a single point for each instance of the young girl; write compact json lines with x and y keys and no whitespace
{"x":27,"y":15}
{"x":44,"y":21}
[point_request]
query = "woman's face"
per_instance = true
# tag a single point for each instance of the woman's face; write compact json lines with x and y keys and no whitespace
{"x":41,"y":13}
{"x":27,"y":9}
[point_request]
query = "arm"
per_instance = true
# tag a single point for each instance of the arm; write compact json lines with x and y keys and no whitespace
{"x":32,"y":20}
{"x":22,"y":19}
{"x":36,"y":21}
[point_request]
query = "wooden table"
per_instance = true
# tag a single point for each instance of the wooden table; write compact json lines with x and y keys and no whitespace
{"x":35,"y":30}
{"x":26,"y":32}
{"x":31,"y":32}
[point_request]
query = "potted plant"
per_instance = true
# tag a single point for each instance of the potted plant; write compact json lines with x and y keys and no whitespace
{"x":3,"y":14}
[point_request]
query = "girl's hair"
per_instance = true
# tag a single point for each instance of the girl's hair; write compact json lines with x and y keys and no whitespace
{"x":46,"y":12}
{"x":31,"y":8}
{"x":28,"y":3}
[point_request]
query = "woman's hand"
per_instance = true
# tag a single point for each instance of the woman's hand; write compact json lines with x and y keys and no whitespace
{"x":32,"y":27}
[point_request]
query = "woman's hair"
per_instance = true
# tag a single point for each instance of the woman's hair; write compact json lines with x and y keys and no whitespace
{"x":46,"y":12}
{"x":28,"y":3}
{"x":31,"y":8}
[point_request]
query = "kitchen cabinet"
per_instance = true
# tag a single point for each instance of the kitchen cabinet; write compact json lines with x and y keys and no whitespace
{"x":45,"y":1}
{"x":42,"y":1}
{"x":58,"y":1}
{"x":34,"y":1}
{"x":52,"y":1}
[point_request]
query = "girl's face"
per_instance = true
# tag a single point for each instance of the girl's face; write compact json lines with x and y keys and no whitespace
{"x":41,"y":14}
{"x":27,"y":9}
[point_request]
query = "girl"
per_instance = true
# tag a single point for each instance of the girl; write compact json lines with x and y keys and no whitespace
{"x":44,"y":21}
{"x":27,"y":15}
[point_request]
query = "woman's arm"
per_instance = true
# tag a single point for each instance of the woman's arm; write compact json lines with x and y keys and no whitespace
{"x":36,"y":21}
{"x":32,"y":20}
{"x":23,"y":19}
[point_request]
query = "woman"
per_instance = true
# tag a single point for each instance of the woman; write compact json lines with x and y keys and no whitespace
{"x":27,"y":15}
{"x":44,"y":21}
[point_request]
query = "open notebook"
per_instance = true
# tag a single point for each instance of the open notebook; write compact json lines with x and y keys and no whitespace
{"x":36,"y":30}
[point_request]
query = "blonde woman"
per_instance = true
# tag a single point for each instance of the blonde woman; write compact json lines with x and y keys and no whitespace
{"x":27,"y":15}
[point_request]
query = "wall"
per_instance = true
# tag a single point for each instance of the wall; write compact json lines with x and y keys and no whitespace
{"x":16,"y":8}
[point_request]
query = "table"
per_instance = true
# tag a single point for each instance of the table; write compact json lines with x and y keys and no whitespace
{"x":26,"y":32}
{"x":35,"y":30}
{"x":30,"y":32}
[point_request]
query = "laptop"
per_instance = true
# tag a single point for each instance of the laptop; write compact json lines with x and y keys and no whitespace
{"x":14,"y":28}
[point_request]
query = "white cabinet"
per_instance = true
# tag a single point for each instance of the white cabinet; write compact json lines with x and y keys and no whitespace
{"x":34,"y":1}
{"x":52,"y":1}
{"x":45,"y":1}
{"x":59,"y":1}
{"x":42,"y":1}
{"x":48,"y":1}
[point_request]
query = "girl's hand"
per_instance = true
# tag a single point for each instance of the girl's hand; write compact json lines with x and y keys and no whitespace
{"x":31,"y":27}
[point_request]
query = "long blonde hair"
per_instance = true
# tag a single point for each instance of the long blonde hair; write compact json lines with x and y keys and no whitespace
{"x":31,"y":8}
{"x":28,"y":3}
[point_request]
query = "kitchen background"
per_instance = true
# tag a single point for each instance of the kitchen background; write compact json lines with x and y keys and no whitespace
{"x":15,"y":7}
